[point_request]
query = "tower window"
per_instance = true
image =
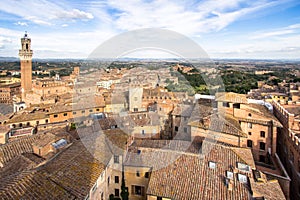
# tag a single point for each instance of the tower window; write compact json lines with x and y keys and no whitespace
{"x":26,"y":46}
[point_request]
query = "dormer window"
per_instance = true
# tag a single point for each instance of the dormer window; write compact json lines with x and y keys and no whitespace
{"x":242,"y":178}
{"x":243,"y":167}
{"x":212,"y":165}
{"x":229,"y":175}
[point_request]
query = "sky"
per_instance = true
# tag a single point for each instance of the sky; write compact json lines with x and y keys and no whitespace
{"x":260,"y":29}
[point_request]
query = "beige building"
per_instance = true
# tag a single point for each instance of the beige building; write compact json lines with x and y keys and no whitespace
{"x":8,"y":91}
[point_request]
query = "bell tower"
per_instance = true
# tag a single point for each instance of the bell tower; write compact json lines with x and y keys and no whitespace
{"x":25,"y":54}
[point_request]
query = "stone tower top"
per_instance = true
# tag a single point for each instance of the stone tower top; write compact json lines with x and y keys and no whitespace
{"x":25,"y":52}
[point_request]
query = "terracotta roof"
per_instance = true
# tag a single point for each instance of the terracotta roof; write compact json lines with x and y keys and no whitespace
{"x":18,"y":164}
{"x":273,"y":192}
{"x":69,"y":175}
{"x":28,"y":117}
{"x":293,"y":109}
{"x":32,"y":185}
{"x":263,"y":112}
{"x":75,"y":170}
{"x":188,"y":176}
{"x":183,"y":110}
{"x":17,"y":147}
{"x":215,"y":122}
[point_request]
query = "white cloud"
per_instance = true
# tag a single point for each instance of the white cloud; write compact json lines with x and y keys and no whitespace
{"x":42,"y":12}
{"x":192,"y":18}
{"x":74,"y":14}
{"x":21,"y":23}
{"x":187,"y":17}
{"x":291,"y":29}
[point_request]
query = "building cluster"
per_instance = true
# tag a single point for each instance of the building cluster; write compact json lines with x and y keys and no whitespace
{"x":119,"y":132}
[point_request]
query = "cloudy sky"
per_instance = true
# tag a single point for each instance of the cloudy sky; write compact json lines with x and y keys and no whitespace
{"x":223,"y":28}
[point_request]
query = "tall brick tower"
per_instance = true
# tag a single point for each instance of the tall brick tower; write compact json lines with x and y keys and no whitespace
{"x":25,"y":54}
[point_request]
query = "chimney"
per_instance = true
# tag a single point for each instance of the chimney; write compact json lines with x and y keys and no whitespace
{"x":230,"y":185}
{"x":206,"y":121}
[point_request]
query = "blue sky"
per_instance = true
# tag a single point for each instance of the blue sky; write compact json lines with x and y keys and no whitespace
{"x":223,"y":28}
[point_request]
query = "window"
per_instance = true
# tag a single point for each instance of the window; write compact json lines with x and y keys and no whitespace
{"x":262,"y":146}
{"x":55,"y":116}
{"x":65,"y":114}
{"x":91,"y":110}
{"x":135,"y":109}
{"x":135,"y":98}
{"x":117,"y":192}
{"x":116,"y":159}
{"x":249,"y":143}
{"x":242,"y":178}
{"x":229,"y":175}
{"x":97,"y":109}
{"x":83,"y":111}
{"x":262,"y":134}
{"x":74,"y":113}
{"x":37,"y":122}
{"x":108,"y":179}
{"x":159,"y":198}
{"x":249,"y":125}
{"x":243,"y":167}
{"x":143,"y":132}
{"x":237,"y":105}
{"x":116,"y":179}
{"x":137,"y":190}
{"x":138,"y":173}
{"x":185,"y":129}
{"x":249,"y":115}
{"x":146,"y":174}
{"x":176,"y":128}
{"x":226,"y":104}
{"x":46,"y":121}
{"x":249,"y":133}
{"x":212,"y":165}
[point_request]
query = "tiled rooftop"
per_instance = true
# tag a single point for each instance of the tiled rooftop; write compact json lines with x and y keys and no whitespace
{"x":187,"y":175}
{"x":17,"y":147}
{"x":69,"y":175}
{"x":217,"y":123}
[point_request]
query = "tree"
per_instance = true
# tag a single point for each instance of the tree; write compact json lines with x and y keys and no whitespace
{"x":124,"y":189}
